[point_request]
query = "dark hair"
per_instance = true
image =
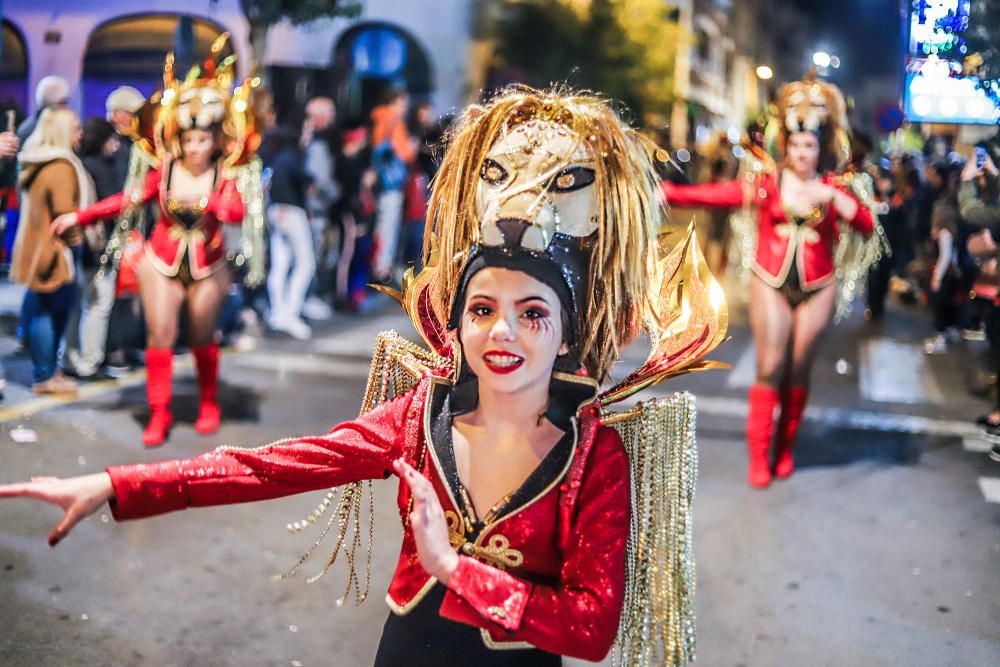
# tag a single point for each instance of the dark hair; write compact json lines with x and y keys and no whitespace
{"x":96,"y":132}
{"x":390,"y":95}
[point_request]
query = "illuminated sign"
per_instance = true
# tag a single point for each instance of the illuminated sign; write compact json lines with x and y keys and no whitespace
{"x":934,"y":25}
{"x":948,"y":100}
{"x":936,"y":90}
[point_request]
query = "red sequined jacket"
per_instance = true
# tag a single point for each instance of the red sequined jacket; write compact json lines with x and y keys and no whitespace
{"x":550,"y":574}
{"x":779,"y":238}
{"x":171,"y":237}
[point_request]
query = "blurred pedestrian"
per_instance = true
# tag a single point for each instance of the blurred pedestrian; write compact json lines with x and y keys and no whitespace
{"x":9,"y":145}
{"x":945,"y":276}
{"x":51,"y":92}
{"x":979,"y":206}
{"x":355,"y":211}
{"x":317,"y":138}
{"x":293,"y":260}
{"x":120,"y":106}
{"x":420,"y":127}
{"x":392,"y":150}
{"x":886,"y":207}
{"x":87,"y":332}
{"x":53,"y":182}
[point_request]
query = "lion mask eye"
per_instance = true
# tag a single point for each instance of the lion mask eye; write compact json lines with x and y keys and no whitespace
{"x":573,"y":178}
{"x":492,"y":172}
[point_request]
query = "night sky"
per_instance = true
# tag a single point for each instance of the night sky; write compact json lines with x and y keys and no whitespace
{"x":866,"y":35}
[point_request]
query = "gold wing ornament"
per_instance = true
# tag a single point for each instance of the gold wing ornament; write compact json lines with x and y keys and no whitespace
{"x":686,"y":319}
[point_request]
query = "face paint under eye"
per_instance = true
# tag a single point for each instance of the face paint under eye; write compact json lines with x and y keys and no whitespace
{"x":541,"y":323}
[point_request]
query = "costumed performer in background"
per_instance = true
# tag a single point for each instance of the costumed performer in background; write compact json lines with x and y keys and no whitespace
{"x":196,"y":131}
{"x":793,"y":289}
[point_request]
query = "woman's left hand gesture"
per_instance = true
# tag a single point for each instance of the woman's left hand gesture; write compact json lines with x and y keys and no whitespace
{"x":63,"y":222}
{"x":430,"y":530}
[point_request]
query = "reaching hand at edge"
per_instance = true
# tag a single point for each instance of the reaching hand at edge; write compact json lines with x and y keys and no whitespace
{"x":78,"y":496}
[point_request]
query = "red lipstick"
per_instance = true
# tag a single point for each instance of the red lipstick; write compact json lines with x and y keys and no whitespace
{"x":502,"y":362}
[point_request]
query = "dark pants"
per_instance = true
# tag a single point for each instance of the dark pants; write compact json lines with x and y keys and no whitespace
{"x":878,"y":286}
{"x":944,"y":306}
{"x":993,"y":338}
{"x":46,"y":315}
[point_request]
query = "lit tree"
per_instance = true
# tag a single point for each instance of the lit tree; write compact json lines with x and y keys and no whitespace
{"x":983,"y":36}
{"x":624,"y":49}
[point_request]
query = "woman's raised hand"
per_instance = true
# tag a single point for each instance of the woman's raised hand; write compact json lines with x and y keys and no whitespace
{"x":78,"y":496}
{"x":63,"y":222}
{"x":430,"y":530}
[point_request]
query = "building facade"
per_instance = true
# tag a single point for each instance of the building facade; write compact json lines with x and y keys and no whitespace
{"x":716,"y":80}
{"x":97,"y":45}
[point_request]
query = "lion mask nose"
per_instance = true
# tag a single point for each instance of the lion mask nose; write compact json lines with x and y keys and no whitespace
{"x":512,"y":230}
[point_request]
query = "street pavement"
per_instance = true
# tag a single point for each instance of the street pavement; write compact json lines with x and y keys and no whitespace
{"x":882,"y":549}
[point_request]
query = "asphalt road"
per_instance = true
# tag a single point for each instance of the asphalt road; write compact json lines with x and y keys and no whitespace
{"x":882,"y":549}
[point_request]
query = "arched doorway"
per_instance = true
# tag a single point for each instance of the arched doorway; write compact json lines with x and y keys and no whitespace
{"x":130,"y":50}
{"x":373,"y":57}
{"x":13,"y":72}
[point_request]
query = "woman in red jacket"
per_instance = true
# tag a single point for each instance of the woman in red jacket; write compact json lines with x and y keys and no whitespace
{"x":516,"y":501}
{"x":793,"y":291}
{"x":184,"y":264}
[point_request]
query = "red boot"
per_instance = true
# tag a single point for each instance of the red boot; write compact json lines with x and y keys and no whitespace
{"x":206,"y":359}
{"x":793,"y":404}
{"x":760,"y":425}
{"x":159,"y":379}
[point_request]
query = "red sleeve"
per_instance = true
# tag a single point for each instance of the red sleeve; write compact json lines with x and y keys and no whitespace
{"x":355,"y":450}
{"x":727,"y":194}
{"x":579,"y":615}
{"x":862,"y":220}
{"x":226,"y":203}
{"x":111,"y":206}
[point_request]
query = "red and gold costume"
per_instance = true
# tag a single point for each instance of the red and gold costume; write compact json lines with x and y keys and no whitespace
{"x":782,"y":240}
{"x":551,"y":574}
{"x":181,"y":236}
{"x":548,"y":569}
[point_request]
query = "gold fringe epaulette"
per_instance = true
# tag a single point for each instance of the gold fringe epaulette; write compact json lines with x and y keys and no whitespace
{"x":251,"y":253}
{"x":133,"y":213}
{"x":856,"y":254}
{"x":397,"y":366}
{"x":658,"y":619}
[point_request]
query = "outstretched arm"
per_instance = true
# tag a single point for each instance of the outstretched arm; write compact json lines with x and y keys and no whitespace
{"x":109,"y":207}
{"x":727,"y":194}
{"x":355,"y":450}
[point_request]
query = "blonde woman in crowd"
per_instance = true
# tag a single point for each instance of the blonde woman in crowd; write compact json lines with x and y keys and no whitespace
{"x":52,"y":182}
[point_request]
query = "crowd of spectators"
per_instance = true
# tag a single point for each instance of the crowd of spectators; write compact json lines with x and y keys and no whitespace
{"x":941,"y":216}
{"x":345,"y":202}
